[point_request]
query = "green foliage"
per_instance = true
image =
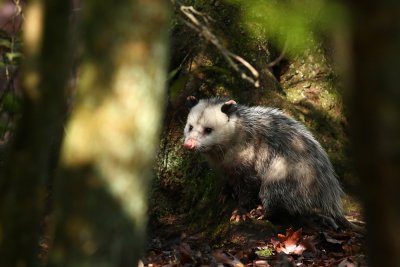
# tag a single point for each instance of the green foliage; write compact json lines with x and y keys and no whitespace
{"x":5,"y":43}
{"x":10,"y":60}
{"x":10,"y":103}
{"x":296,"y":24}
{"x":10,"y":49}
{"x":14,"y":57}
{"x":264,"y":252}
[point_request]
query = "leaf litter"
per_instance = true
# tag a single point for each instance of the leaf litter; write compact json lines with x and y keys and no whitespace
{"x":292,"y":248}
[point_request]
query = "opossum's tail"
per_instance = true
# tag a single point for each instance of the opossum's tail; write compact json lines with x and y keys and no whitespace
{"x":333,"y":216}
{"x":346,"y":224}
{"x":341,"y":223}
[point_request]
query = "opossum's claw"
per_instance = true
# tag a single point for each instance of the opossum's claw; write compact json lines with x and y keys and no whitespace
{"x":238,"y":215}
{"x":258,"y":213}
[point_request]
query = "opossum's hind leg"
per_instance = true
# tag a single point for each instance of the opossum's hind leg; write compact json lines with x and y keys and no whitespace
{"x":283,"y":196}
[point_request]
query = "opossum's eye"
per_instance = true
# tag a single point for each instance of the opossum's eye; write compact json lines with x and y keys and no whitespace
{"x":208,"y":130}
{"x":190,"y":128}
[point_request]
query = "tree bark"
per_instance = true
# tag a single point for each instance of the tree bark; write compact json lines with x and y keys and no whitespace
{"x":112,"y":135}
{"x":22,"y":189}
{"x":375,"y":106}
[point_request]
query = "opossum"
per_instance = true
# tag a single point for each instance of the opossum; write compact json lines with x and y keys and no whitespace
{"x":260,"y":150}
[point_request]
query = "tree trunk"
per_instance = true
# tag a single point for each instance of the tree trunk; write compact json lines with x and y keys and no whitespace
{"x":22,"y":188}
{"x":112,"y":135}
{"x":376,"y":108}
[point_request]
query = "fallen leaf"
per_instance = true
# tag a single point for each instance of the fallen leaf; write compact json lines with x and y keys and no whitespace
{"x":332,"y":240}
{"x":346,"y":263}
{"x":226,"y":258}
{"x":263,"y":252}
{"x":261,"y":263}
{"x":185,"y":251}
{"x":352,"y":249}
{"x":289,"y":243}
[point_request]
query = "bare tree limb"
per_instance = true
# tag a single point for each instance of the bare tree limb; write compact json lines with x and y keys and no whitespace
{"x":279,"y":58}
{"x":199,"y":22}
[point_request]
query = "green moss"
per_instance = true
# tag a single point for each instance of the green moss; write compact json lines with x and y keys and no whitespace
{"x":350,"y":205}
{"x":220,"y":230}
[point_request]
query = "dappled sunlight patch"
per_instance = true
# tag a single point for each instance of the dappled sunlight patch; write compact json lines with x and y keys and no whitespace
{"x":33,"y":30}
{"x":114,"y":128}
{"x":292,"y":23}
{"x":116,"y":122}
{"x":32,"y":34}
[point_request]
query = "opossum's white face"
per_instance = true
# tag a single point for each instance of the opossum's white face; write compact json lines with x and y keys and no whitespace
{"x":208,"y":127}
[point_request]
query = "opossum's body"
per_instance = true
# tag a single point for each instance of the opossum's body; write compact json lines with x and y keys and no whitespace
{"x":262,"y":149}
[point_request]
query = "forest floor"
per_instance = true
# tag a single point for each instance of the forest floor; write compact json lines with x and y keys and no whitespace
{"x":255,"y":243}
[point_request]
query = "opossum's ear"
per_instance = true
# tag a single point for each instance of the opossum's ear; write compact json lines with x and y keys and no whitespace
{"x":191,"y":101}
{"x":229,"y":107}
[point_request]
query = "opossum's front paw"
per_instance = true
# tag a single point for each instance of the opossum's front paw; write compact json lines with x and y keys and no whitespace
{"x":239,"y":215}
{"x":258,"y":213}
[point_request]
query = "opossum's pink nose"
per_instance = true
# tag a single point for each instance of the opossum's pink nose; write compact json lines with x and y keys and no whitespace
{"x":190,"y":144}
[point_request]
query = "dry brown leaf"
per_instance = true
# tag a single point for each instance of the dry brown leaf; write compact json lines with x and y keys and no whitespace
{"x":289,"y":243}
{"x":352,"y":249}
{"x":185,"y":251}
{"x":332,"y":240}
{"x":346,"y":263}
{"x":261,"y":263}
{"x":227,"y":258}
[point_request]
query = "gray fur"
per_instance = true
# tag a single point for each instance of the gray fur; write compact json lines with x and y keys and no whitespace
{"x":262,"y":149}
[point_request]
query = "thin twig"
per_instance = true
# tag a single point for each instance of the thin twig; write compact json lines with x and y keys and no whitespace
{"x":279,"y":58}
{"x":203,"y":29}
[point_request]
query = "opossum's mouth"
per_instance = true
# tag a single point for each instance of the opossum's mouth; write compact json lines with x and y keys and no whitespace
{"x":200,"y":149}
{"x":212,"y":150}
{"x":190,"y":144}
{"x":193,"y":145}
